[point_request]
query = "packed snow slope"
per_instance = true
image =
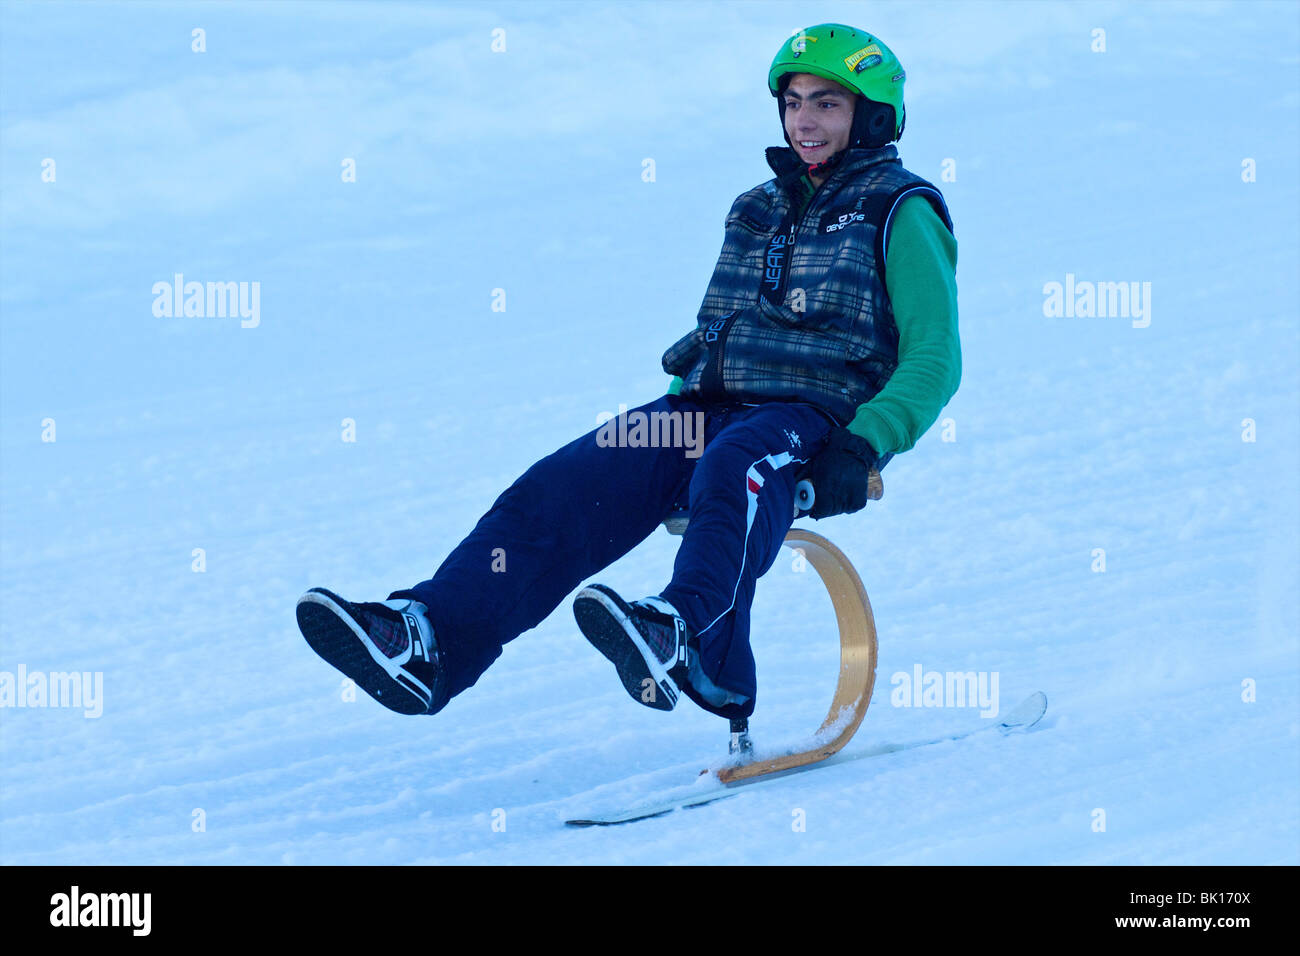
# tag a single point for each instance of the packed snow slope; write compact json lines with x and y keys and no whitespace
{"x":584,"y":166}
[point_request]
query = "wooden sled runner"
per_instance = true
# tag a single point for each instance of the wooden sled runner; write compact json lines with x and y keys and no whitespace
{"x":857,"y":631}
{"x":857,"y":655}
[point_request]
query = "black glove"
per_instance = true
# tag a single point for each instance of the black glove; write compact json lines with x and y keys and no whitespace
{"x":839,"y":474}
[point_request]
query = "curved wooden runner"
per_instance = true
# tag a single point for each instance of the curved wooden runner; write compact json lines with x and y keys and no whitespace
{"x":857,"y":655}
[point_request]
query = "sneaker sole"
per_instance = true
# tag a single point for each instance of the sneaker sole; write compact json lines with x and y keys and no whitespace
{"x":602,"y":617}
{"x":333,"y":634}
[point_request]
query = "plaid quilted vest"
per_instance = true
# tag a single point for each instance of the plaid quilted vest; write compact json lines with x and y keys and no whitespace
{"x":797,"y":308}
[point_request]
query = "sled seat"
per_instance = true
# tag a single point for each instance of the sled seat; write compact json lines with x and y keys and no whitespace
{"x":858,"y":652}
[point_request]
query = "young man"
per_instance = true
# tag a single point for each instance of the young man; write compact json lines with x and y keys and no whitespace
{"x":826,"y":343}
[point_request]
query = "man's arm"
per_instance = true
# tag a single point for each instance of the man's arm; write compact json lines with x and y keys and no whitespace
{"x":921,"y":279}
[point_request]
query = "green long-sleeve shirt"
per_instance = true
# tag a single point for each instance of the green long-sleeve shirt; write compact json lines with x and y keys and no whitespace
{"x":921,"y":278}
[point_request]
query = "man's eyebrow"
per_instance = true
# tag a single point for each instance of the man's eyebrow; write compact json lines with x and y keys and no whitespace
{"x":815,"y":94}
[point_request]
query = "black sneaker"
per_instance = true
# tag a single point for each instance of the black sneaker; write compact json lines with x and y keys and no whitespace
{"x":646,"y":641}
{"x":386,"y":647}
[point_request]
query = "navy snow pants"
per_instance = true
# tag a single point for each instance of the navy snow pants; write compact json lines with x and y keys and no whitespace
{"x":580,"y":509}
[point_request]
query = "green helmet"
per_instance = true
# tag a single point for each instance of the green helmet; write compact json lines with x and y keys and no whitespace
{"x":852,"y":58}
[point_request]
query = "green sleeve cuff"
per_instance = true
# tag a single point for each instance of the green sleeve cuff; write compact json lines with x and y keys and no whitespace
{"x":877,"y":429}
{"x":675,"y":386}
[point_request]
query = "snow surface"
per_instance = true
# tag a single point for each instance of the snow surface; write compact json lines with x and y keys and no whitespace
{"x":522,"y":170}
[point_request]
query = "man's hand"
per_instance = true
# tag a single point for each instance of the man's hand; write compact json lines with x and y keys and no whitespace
{"x":839,"y":474}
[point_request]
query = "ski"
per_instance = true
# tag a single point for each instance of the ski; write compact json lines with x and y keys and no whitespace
{"x":1025,"y":715}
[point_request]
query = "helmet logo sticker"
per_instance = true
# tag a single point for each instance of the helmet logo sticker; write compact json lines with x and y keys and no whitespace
{"x":865,"y":58}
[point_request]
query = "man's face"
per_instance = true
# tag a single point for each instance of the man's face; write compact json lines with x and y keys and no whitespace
{"x":818,"y":111}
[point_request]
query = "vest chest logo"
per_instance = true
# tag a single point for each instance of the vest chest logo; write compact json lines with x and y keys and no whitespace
{"x":842,"y":218}
{"x":848,"y":219}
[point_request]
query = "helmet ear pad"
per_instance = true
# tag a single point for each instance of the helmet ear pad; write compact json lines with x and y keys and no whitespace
{"x":873,"y":124}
